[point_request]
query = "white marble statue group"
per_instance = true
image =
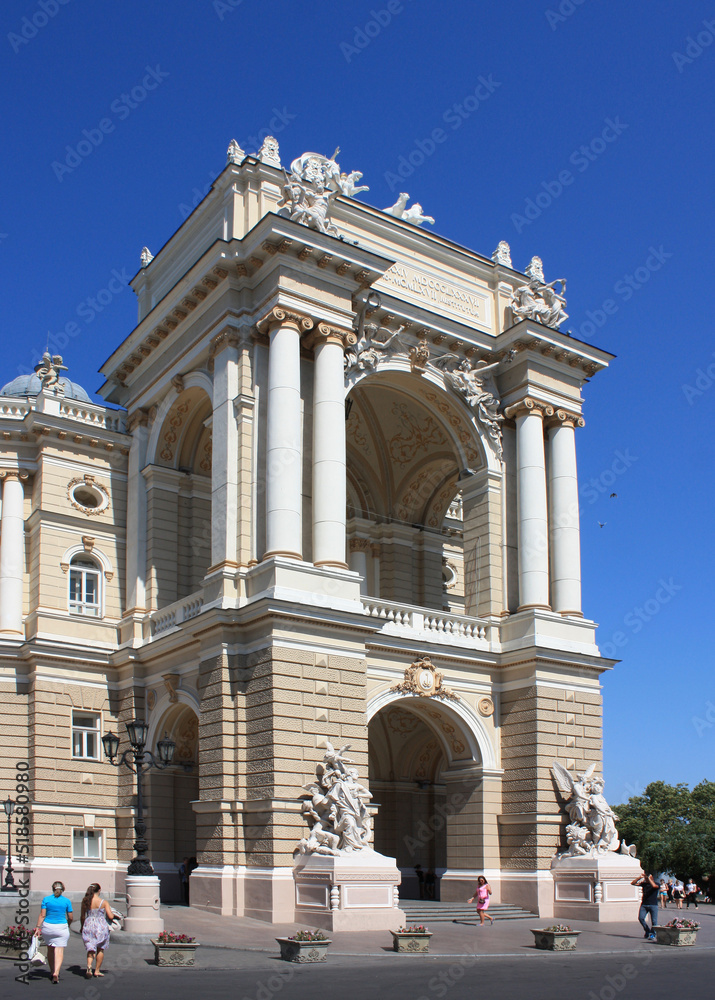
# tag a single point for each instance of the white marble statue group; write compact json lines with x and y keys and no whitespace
{"x":313,"y":184}
{"x":311,"y":187}
{"x":48,"y":372}
{"x":538,"y":300}
{"x":592,"y":829}
{"x":336,"y":808}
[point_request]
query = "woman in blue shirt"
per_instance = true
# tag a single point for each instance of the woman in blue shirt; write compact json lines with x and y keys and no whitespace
{"x":54,"y":925}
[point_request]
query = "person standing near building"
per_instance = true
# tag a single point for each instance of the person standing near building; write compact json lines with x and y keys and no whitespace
{"x":691,"y":894}
{"x":420,"y":880}
{"x":663,"y":894}
{"x":184,"y":878}
{"x":649,"y":904}
{"x":95,"y":917}
{"x":54,"y":925}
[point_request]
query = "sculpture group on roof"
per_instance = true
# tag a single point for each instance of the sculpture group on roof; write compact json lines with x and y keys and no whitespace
{"x":538,"y":300}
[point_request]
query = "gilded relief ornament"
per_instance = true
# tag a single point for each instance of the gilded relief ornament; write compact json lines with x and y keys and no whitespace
{"x":424,"y":680}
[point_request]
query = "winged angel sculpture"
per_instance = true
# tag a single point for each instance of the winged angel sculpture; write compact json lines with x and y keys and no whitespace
{"x":476,"y":384}
{"x":592,"y":829}
{"x":336,"y":807}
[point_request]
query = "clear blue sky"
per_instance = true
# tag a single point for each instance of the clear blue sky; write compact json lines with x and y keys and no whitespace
{"x":632,"y":224}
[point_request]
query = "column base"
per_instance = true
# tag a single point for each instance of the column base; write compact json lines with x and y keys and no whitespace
{"x":334,"y":565}
{"x":570,"y":614}
{"x":143,"y":905}
{"x":533,"y":607}
{"x":282,"y":554}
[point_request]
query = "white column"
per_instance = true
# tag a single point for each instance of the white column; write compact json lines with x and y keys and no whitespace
{"x":224,"y":451}
{"x":329,"y":450}
{"x":136,"y":547}
{"x":284,"y":436}
{"x":564,"y":516}
{"x":358,"y":560}
{"x":12,"y":553}
{"x":531,"y":505}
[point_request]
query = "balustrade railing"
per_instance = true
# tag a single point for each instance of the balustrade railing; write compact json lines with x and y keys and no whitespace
{"x":441,"y":627}
{"x":174,"y":614}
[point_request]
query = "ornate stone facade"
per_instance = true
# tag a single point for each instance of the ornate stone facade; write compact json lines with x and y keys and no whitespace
{"x":338,"y":505}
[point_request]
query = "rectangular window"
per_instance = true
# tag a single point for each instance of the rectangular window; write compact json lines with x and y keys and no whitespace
{"x":86,"y":845}
{"x":85,"y":735}
{"x":84,"y":589}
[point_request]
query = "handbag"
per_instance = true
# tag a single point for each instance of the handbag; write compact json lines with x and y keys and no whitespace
{"x":117,"y":921}
{"x":34,"y":955}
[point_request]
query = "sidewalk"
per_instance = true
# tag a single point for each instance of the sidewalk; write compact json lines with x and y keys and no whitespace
{"x":510,"y":938}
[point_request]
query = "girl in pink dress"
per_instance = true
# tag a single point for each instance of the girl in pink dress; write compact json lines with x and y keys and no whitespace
{"x":482,"y":894}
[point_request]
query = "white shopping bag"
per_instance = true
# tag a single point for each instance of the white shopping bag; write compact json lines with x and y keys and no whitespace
{"x":34,"y":955}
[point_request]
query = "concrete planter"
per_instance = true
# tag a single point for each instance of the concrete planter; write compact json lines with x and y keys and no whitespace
{"x":178,"y":953}
{"x":10,"y":949}
{"x":410,"y":943}
{"x":680,"y":937}
{"x":555,"y":940}
{"x":303,"y":951}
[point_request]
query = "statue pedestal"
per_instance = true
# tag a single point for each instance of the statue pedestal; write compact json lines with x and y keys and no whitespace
{"x":596,"y":887}
{"x":354,"y":891}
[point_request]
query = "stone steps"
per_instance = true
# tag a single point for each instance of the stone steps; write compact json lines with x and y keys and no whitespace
{"x":426,"y":911}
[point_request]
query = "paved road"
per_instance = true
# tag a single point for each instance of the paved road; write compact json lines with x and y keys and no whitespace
{"x":666,"y":973}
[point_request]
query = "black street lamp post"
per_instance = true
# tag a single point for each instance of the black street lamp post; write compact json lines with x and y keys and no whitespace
{"x":138,"y":760}
{"x":9,"y":885}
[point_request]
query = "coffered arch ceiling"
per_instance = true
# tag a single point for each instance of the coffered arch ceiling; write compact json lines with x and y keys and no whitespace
{"x":407,"y":442}
{"x":185,"y":437}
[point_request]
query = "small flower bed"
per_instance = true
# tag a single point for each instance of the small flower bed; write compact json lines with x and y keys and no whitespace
{"x":683,"y":924}
{"x":315,"y":935}
{"x":170,"y":937}
{"x":413,"y":929}
{"x":559,"y":929}
{"x":16,"y":934}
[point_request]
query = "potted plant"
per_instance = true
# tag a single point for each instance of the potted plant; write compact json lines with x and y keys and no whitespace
{"x":174,"y":949}
{"x":558,"y":937}
{"x":13,"y":940}
{"x":413,"y":940}
{"x":680,"y":932}
{"x":305,"y":946}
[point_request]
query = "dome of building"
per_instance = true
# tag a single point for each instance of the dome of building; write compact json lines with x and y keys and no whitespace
{"x":46,"y":374}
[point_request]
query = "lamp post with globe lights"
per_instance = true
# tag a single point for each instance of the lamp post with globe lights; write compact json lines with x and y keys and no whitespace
{"x":141,"y":883}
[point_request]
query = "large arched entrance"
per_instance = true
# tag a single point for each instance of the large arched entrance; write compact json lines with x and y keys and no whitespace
{"x":410,"y":444}
{"x":170,"y":794}
{"x":426,"y":765}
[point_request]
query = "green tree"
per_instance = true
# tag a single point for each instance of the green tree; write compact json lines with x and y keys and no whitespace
{"x":673,"y":828}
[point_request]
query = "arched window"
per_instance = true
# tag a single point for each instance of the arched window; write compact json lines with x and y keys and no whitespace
{"x":85,"y":587}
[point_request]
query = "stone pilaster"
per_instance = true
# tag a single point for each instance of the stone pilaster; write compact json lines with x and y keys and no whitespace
{"x":12,"y":553}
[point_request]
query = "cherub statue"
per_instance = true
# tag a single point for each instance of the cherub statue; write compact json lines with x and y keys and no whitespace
{"x":369,"y":350}
{"x":48,"y":372}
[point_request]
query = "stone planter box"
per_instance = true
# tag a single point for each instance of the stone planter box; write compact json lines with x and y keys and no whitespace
{"x":681,"y":937}
{"x":555,"y":940}
{"x":303,"y":951}
{"x":409,"y":943}
{"x":10,"y":948}
{"x":178,"y":953}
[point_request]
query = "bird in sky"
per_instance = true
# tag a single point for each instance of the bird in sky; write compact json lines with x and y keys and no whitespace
{"x":613,"y":496}
{"x":602,"y":524}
